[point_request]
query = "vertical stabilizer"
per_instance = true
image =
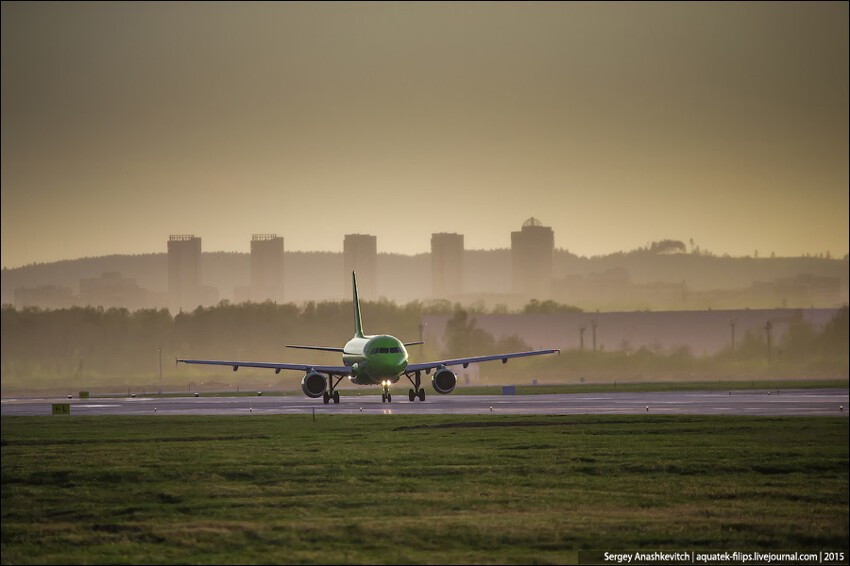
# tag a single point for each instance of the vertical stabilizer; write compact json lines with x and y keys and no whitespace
{"x":358,"y":324}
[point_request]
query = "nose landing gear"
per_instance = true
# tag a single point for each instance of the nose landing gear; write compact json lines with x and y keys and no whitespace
{"x":386,"y":396}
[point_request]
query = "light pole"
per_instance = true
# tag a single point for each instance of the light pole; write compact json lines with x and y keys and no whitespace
{"x":732,"y":323}
{"x":768,"y":327}
{"x":593,"y":326}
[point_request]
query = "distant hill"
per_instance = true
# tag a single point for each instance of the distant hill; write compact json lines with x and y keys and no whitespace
{"x":402,"y":278}
{"x":703,"y":272}
{"x":307,"y":275}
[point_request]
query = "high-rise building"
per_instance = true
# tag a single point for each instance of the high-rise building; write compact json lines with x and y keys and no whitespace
{"x":184,"y":271}
{"x":532,"y":254}
{"x":267,"y":267}
{"x":446,"y":265}
{"x":360,"y":254}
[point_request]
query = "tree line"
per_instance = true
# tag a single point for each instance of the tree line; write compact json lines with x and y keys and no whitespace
{"x":87,"y":345}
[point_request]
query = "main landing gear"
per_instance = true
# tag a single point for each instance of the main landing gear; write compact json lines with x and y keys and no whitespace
{"x":417,"y":390}
{"x":412,"y":394}
{"x":331,"y":392}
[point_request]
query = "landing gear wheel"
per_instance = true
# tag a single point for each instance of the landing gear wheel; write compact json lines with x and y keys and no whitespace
{"x":336,"y":397}
{"x":383,"y":397}
{"x":417,"y":390}
{"x":325,"y":397}
{"x":389,"y":398}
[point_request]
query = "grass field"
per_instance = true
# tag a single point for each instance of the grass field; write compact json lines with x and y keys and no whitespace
{"x":658,"y":386}
{"x":391,"y":489}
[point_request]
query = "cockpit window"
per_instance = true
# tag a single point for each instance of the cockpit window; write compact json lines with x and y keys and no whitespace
{"x":376,"y":350}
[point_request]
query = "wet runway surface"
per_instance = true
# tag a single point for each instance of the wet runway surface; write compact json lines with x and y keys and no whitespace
{"x":789,"y":402}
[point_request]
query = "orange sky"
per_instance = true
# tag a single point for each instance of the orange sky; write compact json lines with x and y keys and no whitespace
{"x":615,"y":124}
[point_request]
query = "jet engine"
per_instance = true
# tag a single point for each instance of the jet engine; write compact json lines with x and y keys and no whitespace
{"x":443,"y":381}
{"x":314,"y":384}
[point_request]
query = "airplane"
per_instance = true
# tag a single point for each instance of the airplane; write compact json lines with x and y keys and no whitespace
{"x":371,"y":360}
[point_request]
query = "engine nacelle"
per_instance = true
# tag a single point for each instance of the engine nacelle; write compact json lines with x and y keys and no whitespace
{"x":443,"y":381}
{"x":314,"y":384}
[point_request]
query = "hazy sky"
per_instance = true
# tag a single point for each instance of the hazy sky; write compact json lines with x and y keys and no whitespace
{"x":615,"y":124}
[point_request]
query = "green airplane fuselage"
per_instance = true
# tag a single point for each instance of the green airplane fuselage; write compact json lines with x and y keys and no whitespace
{"x":374,"y":359}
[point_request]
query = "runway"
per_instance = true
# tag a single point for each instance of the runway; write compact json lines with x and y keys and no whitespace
{"x":789,"y":402}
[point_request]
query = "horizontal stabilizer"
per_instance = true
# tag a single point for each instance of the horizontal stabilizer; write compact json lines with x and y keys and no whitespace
{"x":414,"y":343}
{"x":323,"y":348}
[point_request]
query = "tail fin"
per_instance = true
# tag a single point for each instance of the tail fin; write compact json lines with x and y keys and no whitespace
{"x":358,"y":325}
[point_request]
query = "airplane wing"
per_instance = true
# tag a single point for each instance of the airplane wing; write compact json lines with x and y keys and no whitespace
{"x":428,"y":366}
{"x":331,"y":370}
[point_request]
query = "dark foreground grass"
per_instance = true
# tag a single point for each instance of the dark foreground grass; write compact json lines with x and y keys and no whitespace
{"x":393,"y":489}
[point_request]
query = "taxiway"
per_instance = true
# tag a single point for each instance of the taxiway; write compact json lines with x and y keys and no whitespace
{"x":801,"y":402}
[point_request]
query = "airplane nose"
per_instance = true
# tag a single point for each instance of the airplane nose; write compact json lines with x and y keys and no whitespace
{"x":395,"y":366}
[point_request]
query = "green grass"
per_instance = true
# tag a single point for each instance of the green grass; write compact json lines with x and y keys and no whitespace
{"x":657,"y":386}
{"x":393,"y":489}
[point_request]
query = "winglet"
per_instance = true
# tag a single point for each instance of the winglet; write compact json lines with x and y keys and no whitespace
{"x":358,"y":324}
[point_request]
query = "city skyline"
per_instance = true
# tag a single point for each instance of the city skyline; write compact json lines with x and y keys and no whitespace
{"x":527,"y":271}
{"x":614,"y":124}
{"x":245,"y":245}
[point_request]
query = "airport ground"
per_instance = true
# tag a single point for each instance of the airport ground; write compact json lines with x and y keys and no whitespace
{"x":475,"y":477}
{"x":761,"y":402}
{"x":342,"y":488}
{"x":290,"y":387}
